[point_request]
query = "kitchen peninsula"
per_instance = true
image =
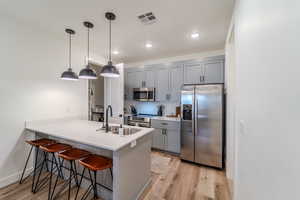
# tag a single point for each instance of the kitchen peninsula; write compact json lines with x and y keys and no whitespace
{"x":130,"y":153}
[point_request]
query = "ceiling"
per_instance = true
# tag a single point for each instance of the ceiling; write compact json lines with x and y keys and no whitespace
{"x":170,"y":34}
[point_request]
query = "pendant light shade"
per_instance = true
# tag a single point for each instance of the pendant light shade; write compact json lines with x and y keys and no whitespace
{"x":110,"y":70}
{"x":69,"y":74}
{"x":88,"y":72}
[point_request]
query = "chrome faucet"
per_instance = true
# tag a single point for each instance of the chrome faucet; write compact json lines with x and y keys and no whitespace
{"x":106,"y":118}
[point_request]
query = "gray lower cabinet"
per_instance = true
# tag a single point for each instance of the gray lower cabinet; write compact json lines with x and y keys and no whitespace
{"x":166,"y":136}
{"x":158,"y":139}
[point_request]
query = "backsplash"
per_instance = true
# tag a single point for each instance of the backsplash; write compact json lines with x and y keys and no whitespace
{"x":152,"y":107}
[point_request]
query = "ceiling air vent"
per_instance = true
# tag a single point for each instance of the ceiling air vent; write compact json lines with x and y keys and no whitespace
{"x":147,"y":18}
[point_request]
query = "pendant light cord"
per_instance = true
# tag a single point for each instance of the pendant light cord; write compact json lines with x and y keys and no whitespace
{"x":70,"y":50}
{"x":88,"y":47}
{"x":110,"y":40}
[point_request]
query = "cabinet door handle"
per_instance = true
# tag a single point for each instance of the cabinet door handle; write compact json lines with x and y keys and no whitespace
{"x":203,"y":78}
{"x":168,"y":97}
{"x":164,"y":124}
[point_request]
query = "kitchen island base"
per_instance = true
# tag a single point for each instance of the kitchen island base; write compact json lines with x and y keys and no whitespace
{"x":131,"y":165}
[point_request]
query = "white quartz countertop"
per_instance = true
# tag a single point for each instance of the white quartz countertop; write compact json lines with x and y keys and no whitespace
{"x":175,"y":119}
{"x":85,"y":132}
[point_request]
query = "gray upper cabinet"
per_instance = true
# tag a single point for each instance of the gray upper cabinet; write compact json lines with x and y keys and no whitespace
{"x":139,"y":79}
{"x":131,"y":82}
{"x":213,"y":72}
{"x":204,"y":72}
{"x":162,"y":84}
{"x":176,"y":82}
{"x":193,"y":73}
{"x":149,"y":79}
{"x":168,"y":79}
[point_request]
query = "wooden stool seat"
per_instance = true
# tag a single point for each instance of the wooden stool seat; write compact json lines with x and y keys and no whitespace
{"x":58,"y":147}
{"x":41,"y":142}
{"x":74,"y":154}
{"x":95,"y":162}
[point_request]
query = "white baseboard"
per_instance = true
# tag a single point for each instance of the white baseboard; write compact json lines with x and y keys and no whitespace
{"x":13,"y":178}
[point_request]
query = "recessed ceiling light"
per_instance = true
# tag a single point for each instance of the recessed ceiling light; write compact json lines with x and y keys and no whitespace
{"x":195,"y":35}
{"x":115,"y":52}
{"x":148,"y":45}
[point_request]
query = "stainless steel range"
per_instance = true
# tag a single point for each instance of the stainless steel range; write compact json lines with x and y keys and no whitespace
{"x":141,"y":120}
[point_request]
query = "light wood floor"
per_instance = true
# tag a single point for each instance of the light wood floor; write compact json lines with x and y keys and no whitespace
{"x":171,"y":180}
{"x":176,"y":180}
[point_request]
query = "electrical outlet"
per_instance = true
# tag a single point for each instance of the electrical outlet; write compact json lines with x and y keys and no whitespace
{"x":133,"y":144}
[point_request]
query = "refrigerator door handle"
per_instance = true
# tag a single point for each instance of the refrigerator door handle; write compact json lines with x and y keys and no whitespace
{"x":193,"y":119}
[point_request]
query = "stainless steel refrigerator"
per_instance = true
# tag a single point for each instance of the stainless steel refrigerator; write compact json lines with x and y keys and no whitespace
{"x":202,"y":113}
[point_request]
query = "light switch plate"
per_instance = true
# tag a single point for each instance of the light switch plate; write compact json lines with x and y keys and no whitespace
{"x":242,"y":127}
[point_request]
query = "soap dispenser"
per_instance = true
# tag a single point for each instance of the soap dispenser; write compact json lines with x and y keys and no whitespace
{"x":121,"y":130}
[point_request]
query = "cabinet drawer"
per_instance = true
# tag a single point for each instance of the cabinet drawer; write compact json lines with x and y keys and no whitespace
{"x":164,"y":124}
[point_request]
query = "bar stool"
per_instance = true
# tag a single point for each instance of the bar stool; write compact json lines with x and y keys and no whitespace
{"x":52,"y":149}
{"x":72,"y":155}
{"x":36,"y":144}
{"x":94,"y":163}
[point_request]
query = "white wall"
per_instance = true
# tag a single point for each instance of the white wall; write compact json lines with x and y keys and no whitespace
{"x":268,"y":95}
{"x":230,"y":82}
{"x":32,"y":61}
{"x":114,"y":94}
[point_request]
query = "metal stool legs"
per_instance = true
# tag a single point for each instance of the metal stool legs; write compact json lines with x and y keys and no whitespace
{"x":92,"y":186}
{"x":36,"y":166}
{"x":72,"y":175}
{"x":58,"y":166}
{"x":26,"y":163}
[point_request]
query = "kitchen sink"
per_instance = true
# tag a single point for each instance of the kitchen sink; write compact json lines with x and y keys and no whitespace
{"x":127,"y":131}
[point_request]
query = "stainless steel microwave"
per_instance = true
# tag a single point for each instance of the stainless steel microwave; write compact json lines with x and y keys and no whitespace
{"x":144,"y":94}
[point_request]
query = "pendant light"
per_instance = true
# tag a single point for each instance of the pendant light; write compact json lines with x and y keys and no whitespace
{"x":69,"y":74}
{"x":88,"y":72}
{"x":109,"y":70}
